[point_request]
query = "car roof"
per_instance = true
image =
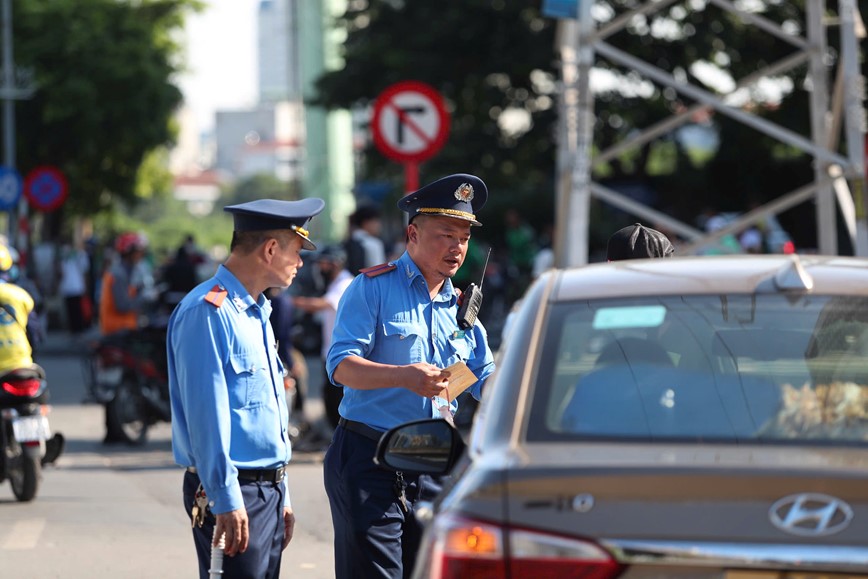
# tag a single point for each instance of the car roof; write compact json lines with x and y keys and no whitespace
{"x":826,"y":275}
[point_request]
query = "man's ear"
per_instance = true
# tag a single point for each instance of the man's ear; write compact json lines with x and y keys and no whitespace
{"x":413,"y":233}
{"x":270,"y":249}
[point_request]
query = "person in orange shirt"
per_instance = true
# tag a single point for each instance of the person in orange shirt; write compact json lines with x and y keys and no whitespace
{"x":121,"y":298}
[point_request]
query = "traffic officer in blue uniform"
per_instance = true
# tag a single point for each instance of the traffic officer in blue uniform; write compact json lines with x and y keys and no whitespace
{"x":229,"y":415}
{"x":396,"y":331}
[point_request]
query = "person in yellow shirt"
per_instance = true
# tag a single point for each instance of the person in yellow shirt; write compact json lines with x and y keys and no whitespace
{"x":15,"y":308}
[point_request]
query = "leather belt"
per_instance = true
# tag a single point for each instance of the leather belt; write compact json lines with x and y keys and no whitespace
{"x":274,"y":475}
{"x":361,"y":428}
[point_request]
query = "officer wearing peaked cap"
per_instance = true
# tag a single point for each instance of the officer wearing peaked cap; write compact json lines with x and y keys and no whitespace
{"x":459,"y":196}
{"x":395,"y":334}
{"x":229,"y":415}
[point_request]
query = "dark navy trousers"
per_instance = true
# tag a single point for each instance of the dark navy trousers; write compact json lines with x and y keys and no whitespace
{"x":264,"y":504}
{"x":374,"y":537}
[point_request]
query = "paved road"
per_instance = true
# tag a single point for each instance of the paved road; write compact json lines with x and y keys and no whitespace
{"x":115,"y":511}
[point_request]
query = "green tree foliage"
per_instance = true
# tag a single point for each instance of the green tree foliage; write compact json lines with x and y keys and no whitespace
{"x":486,"y":58}
{"x":259,"y":186}
{"x":492,"y":56}
{"x":103,"y":71}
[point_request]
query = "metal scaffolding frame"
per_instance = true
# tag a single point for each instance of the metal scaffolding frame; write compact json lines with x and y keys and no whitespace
{"x":581,"y":41}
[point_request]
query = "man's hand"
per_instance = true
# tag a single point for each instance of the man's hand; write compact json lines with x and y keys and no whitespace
{"x":425,"y":379}
{"x":234,"y":524}
{"x":288,"y":526}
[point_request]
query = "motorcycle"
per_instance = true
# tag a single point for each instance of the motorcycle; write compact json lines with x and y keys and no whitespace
{"x":129,"y":376}
{"x":25,"y":434}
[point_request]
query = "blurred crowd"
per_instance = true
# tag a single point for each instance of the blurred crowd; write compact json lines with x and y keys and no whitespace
{"x":68,"y":280}
{"x":121,"y":284}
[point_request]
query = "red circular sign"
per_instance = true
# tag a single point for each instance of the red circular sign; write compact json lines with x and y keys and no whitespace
{"x":410,"y":122}
{"x":45,"y":188}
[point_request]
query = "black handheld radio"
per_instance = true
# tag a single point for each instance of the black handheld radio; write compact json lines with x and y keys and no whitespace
{"x":471,"y":300}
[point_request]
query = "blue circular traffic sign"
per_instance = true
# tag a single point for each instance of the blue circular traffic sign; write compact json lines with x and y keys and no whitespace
{"x":45,"y":188}
{"x":10,"y":188}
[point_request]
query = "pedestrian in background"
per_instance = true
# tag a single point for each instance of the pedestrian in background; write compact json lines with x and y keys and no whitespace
{"x":637,"y":241}
{"x":295,"y":376}
{"x":331,"y":263}
{"x":229,"y":414}
{"x":396,"y":332}
{"x":364,"y":246}
{"x":73,"y":267}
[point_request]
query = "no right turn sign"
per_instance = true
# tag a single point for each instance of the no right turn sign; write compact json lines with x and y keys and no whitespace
{"x":410,"y":122}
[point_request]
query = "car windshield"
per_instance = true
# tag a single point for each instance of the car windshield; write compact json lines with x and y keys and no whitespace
{"x":727,"y":368}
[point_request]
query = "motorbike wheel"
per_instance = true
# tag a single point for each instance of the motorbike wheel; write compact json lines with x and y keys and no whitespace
{"x":25,"y":471}
{"x":127,"y":413}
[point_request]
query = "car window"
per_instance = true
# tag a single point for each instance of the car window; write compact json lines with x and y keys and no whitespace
{"x":726,"y":368}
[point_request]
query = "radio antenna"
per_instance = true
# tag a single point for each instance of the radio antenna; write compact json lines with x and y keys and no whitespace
{"x":484,"y":267}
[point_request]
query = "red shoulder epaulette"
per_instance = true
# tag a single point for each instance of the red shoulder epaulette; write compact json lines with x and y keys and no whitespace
{"x":376,"y":270}
{"x":216,"y":296}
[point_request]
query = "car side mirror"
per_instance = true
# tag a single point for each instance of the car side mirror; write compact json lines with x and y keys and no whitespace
{"x":429,"y":446}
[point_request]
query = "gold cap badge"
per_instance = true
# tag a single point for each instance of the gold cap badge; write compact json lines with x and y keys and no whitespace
{"x":464,"y":192}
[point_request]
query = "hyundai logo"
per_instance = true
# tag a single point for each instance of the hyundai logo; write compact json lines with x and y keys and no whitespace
{"x":810,"y":514}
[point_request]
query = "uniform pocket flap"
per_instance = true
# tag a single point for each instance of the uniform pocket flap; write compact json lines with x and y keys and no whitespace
{"x":400,"y":329}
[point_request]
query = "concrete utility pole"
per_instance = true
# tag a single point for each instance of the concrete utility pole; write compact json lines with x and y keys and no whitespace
{"x":574,"y":203}
{"x":9,"y":92}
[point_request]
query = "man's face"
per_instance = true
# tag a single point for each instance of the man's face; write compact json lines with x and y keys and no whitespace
{"x":287,"y":261}
{"x":439,"y":245}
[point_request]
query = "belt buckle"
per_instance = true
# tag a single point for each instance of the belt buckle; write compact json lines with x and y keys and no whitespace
{"x":279,"y":473}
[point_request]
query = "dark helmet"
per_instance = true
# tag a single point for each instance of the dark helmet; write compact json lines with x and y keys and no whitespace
{"x":332,"y":254}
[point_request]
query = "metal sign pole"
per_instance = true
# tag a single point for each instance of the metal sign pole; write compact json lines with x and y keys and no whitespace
{"x":9,"y":106}
{"x":16,"y":85}
{"x":577,"y":54}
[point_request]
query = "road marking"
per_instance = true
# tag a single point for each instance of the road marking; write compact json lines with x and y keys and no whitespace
{"x":23,"y":535}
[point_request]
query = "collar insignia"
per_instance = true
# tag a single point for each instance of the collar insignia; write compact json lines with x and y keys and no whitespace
{"x":464,"y":192}
{"x":239,"y":301}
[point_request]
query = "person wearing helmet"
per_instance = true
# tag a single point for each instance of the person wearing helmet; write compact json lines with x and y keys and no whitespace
{"x":331,"y":262}
{"x":122,"y":296}
{"x":16,"y":305}
{"x":122,"y":299}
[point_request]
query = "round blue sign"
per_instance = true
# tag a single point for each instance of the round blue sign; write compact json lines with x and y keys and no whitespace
{"x":10,"y":188}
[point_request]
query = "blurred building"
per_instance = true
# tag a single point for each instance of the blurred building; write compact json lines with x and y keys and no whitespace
{"x":265,"y":139}
{"x":278,"y":51}
{"x":280,"y":136}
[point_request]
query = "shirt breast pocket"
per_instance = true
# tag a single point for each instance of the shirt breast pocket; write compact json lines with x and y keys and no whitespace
{"x":458,"y":349}
{"x":248,"y":381}
{"x":404,"y":342}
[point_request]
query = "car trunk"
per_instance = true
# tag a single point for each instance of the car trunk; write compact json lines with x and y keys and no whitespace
{"x":686,"y":507}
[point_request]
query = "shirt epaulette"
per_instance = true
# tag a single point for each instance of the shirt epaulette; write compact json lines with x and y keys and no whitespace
{"x":376,"y":270}
{"x":216,"y":296}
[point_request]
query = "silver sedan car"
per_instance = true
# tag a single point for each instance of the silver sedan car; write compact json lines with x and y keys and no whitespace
{"x":702,"y":418}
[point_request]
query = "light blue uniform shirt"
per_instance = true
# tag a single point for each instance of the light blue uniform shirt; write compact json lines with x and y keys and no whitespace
{"x":226,"y":388}
{"x":391,"y":319}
